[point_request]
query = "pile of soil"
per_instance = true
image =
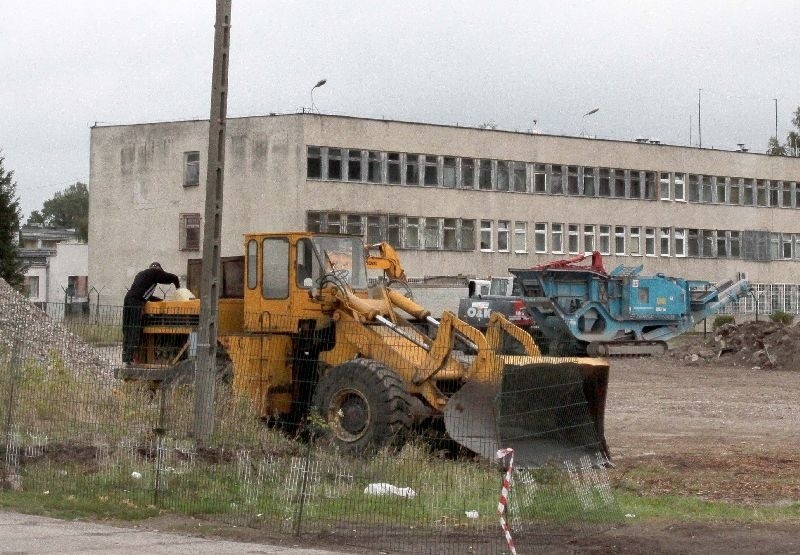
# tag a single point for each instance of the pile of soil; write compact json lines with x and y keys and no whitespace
{"x":40,"y":339}
{"x":759,"y":345}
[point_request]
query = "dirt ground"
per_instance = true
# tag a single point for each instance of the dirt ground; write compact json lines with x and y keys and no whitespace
{"x":714,"y":431}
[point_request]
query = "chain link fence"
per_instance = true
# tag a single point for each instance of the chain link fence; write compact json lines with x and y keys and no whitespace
{"x":289,"y":453}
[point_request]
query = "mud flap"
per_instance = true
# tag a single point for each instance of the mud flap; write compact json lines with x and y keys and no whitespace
{"x":540,"y":410}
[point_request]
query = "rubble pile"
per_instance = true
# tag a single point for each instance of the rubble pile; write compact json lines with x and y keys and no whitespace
{"x":42,"y":340}
{"x":762,"y":345}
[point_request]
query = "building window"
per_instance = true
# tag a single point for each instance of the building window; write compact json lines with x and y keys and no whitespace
{"x":636,"y":184}
{"x":393,"y":167}
{"x":605,"y":183}
{"x":572,"y":181}
{"x":680,"y":242}
{"x":467,"y":235}
{"x":796,"y":195}
{"x":557,"y":238}
{"x":556,"y":184}
{"x":708,"y":242}
{"x":663,"y":186}
{"x":189,"y":233}
{"x":485,"y":175}
{"x":650,"y":241}
{"x":708,"y":189}
{"x":665,"y":237}
{"x":31,"y":287}
{"x":502,"y":235}
{"x":722,"y":190}
{"x":774,"y":192}
{"x":450,"y":234}
{"x":539,"y":178}
{"x":722,"y":246}
{"x":734,"y":196}
{"x":694,"y":240}
{"x":761,"y":193}
{"x":735,"y":242}
{"x":588,"y":238}
{"x":540,"y":237}
{"x":619,"y":240}
{"x":334,"y":163}
{"x":411,"y":237}
{"x":333,"y":223}
{"x":694,"y":188}
{"x":503,"y":175}
{"x":573,"y":240}
{"x":354,"y":165}
{"x":650,"y":191}
{"x":468,"y":173}
{"x":313,"y":163}
{"x":786,"y":195}
{"x":314,"y":222}
{"x":393,"y":232}
{"x":354,"y":224}
{"x":588,"y":182}
{"x":619,"y":183}
{"x":374,"y":167}
{"x":636,"y":241}
{"x":748,"y":196}
{"x":786,"y":242}
{"x":679,"y":187}
{"x":431,"y":233}
{"x":604,"y":239}
{"x":412,"y":169}
{"x":449,"y":172}
{"x":520,"y":177}
{"x":191,"y":168}
{"x":431,"y":177}
{"x":520,"y":237}
{"x":486,"y":235}
{"x":375,"y":229}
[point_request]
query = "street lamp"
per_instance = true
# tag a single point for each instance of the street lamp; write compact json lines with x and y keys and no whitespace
{"x":319,"y":84}
{"x":583,"y":120}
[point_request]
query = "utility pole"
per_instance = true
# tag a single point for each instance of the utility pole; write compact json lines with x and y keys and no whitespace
{"x":699,"y":129}
{"x":205,"y":359}
{"x":776,"y":118}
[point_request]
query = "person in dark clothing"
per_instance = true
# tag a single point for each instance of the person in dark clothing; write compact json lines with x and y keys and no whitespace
{"x":140,"y":291}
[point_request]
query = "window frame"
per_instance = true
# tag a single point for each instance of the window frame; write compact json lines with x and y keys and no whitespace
{"x":189,"y":179}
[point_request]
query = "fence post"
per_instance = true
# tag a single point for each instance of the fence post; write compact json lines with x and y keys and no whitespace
{"x":14,"y":363}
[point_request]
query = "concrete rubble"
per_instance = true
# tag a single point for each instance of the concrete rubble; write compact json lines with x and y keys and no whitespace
{"x":765,"y":345}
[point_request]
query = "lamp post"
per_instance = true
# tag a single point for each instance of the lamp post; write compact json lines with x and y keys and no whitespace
{"x":318,"y":85}
{"x":583,"y":120}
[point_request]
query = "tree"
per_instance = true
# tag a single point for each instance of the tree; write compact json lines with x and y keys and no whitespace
{"x":68,"y":208}
{"x":11,"y":267}
{"x":775,"y":148}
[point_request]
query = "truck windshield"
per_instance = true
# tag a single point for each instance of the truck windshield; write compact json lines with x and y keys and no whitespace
{"x":345,"y":256}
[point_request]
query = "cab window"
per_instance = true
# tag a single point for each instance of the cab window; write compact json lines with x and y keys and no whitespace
{"x":275,"y":268}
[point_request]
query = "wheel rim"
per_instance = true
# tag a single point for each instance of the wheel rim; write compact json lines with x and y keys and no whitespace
{"x":349,"y":414}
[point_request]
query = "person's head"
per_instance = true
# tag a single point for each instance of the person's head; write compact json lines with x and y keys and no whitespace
{"x":156,"y":265}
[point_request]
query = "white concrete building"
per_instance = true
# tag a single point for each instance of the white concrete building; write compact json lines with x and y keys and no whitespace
{"x":455,"y":200}
{"x":57,"y":268}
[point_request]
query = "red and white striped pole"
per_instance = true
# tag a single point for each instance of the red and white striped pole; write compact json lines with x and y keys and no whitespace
{"x":501,"y":506}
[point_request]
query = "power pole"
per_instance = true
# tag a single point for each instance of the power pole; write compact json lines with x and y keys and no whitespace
{"x":205,"y":360}
{"x":776,"y":118}
{"x":699,"y":129}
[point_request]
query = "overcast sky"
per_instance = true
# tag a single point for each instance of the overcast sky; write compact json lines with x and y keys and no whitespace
{"x":67,"y":65}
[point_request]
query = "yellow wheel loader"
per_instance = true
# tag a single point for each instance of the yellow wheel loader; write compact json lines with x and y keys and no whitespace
{"x":300,"y":327}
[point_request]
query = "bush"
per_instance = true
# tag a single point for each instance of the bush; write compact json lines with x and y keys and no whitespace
{"x":781,"y":317}
{"x":720,"y":321}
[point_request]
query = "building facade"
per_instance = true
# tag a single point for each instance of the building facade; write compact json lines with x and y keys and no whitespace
{"x":56,"y":275}
{"x":454,"y":200}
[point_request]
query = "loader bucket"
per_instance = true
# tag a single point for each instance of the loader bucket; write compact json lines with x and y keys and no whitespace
{"x":549,"y":410}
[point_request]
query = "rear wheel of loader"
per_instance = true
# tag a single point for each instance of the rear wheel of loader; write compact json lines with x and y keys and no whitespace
{"x":365,"y":405}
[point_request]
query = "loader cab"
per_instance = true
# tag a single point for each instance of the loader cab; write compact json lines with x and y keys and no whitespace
{"x":282,"y":269}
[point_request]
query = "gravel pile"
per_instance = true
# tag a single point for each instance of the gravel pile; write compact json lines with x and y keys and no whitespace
{"x":43,"y":340}
{"x":759,"y":345}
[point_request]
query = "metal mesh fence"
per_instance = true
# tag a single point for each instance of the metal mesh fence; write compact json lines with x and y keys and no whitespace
{"x":350,"y":434}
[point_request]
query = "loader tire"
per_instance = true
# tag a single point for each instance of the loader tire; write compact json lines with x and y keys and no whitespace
{"x":365,"y":405}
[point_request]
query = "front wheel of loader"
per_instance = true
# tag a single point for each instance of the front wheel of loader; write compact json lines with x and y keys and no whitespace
{"x":365,"y":405}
